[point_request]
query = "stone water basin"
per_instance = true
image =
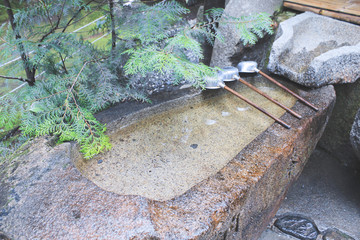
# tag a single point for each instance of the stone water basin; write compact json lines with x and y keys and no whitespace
{"x":238,"y":193}
{"x":162,"y":153}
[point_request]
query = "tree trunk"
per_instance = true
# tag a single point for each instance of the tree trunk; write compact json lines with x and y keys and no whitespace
{"x":113,"y":33}
{"x":30,"y":72}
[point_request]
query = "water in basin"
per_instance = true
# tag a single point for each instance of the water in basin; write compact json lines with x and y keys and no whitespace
{"x":164,"y":155}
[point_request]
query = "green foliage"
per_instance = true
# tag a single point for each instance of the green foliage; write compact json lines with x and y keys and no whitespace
{"x":249,"y":28}
{"x":15,"y":5}
{"x":161,"y":48}
{"x":151,"y":24}
{"x":64,"y":106}
{"x":81,"y":80}
{"x":11,"y":147}
{"x":39,"y":17}
{"x":253,"y":27}
{"x":144,"y":60}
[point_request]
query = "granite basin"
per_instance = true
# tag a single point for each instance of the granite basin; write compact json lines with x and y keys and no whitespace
{"x":51,"y":193}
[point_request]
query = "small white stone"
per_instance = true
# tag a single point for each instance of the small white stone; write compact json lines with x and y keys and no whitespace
{"x":242,"y":109}
{"x":210,"y":122}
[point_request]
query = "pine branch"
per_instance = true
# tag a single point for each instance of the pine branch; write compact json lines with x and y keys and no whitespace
{"x":30,"y":72}
{"x":75,"y":15}
{"x":63,"y":63}
{"x":53,"y":29}
{"x":15,"y":78}
{"x":47,"y":12}
{"x":9,"y":134}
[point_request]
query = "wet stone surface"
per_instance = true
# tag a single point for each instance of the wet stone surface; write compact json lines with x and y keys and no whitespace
{"x":167,"y":153}
{"x":297,"y":226}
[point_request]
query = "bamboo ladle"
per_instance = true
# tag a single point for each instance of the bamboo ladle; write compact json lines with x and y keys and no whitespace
{"x":232,"y":73}
{"x":251,"y":67}
{"x":216,"y":83}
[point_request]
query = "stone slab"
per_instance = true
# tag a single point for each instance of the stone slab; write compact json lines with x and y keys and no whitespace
{"x":315,"y":50}
{"x":48,"y":198}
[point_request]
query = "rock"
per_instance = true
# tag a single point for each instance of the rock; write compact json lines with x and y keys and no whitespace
{"x":336,"y":137}
{"x":3,"y":236}
{"x":24,"y":185}
{"x":335,"y":234}
{"x":191,"y":2}
{"x":315,"y":50}
{"x":48,"y":198}
{"x":297,"y":226}
{"x":194,"y":146}
{"x":224,"y":51}
{"x":355,"y":134}
{"x":272,"y":235}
